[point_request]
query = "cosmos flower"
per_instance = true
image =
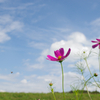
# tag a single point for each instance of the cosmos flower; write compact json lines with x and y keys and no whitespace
{"x":97,"y":43}
{"x":59,"y":55}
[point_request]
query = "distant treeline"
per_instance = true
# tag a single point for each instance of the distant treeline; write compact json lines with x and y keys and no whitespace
{"x":81,"y":91}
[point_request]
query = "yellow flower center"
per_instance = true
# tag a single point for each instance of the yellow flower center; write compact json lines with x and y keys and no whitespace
{"x":59,"y":57}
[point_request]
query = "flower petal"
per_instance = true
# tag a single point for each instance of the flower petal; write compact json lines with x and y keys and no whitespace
{"x":51,"y":58}
{"x":98,"y":40}
{"x":67,"y":53}
{"x":93,"y":46}
{"x":99,"y":46}
{"x":57,"y":53}
{"x":61,"y":50}
{"x":94,"y":41}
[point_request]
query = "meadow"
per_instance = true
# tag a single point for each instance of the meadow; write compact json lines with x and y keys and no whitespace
{"x":47,"y":96}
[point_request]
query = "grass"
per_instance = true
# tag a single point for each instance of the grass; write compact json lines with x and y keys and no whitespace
{"x":46,"y":96}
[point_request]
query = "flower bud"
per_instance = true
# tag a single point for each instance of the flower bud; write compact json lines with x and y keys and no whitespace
{"x":50,"y":84}
{"x":95,"y":74}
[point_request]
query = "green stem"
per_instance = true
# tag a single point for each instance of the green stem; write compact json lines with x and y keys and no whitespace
{"x":91,"y":73}
{"x":77,"y":96}
{"x":54,"y":96}
{"x":84,"y":86}
{"x":62,"y":80}
{"x":99,"y":60}
{"x":87,"y":89}
{"x":53,"y":93}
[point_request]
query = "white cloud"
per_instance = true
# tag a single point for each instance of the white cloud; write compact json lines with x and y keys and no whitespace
{"x":41,"y":59}
{"x":78,"y":37}
{"x":36,"y":66}
{"x":16,"y":25}
{"x":5,"y":19}
{"x":7,"y":24}
{"x":95,"y":26}
{"x":76,"y":41}
{"x":9,"y":77}
{"x":1,"y":1}
{"x":45,"y":52}
{"x":2,"y":91}
{"x":33,"y":66}
{"x":17,"y":73}
{"x":21,"y":7}
{"x":62,"y":29}
{"x":47,"y":80}
{"x":24,"y":81}
{"x":4,"y":37}
{"x":31,"y":77}
{"x":95,"y":22}
{"x":37,"y":45}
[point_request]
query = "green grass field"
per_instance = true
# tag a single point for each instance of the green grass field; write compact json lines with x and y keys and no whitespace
{"x":45,"y":96}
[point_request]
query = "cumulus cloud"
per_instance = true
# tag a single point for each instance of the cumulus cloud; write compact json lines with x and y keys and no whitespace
{"x":4,"y":37}
{"x":78,"y":37}
{"x":76,"y":41}
{"x":78,"y":44}
{"x":24,"y":81}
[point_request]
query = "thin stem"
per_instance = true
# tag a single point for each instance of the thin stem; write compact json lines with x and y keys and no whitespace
{"x":53,"y":93}
{"x":87,"y":89}
{"x":77,"y":96}
{"x":85,"y":85}
{"x":99,"y":60}
{"x":91,"y":73}
{"x":54,"y":96}
{"x":62,"y":80}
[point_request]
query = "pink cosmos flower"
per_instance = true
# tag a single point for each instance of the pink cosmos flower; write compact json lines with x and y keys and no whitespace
{"x":59,"y":55}
{"x":97,"y":43}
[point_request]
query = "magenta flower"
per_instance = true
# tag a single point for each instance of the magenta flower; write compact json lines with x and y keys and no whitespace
{"x":59,"y":55}
{"x":97,"y":43}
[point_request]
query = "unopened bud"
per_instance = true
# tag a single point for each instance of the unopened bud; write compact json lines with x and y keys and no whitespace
{"x":95,"y":74}
{"x":50,"y":84}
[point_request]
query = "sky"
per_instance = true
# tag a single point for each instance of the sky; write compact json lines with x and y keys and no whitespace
{"x":32,"y":29}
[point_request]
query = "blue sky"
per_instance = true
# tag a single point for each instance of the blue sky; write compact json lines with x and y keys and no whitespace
{"x":30,"y":30}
